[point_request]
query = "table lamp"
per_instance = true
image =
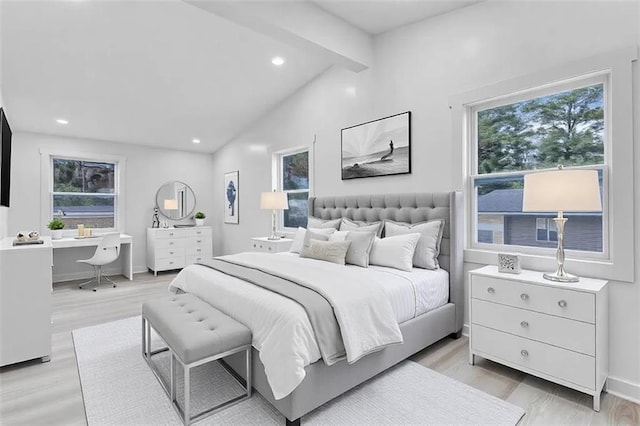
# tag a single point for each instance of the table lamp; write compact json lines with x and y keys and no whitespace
{"x":274,"y":201}
{"x":562,"y":191}
{"x":170,"y":205}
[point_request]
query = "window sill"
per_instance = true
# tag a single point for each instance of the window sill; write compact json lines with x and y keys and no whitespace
{"x":603,"y":269}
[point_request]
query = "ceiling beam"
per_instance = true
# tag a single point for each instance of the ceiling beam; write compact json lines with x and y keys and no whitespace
{"x":299,"y":24}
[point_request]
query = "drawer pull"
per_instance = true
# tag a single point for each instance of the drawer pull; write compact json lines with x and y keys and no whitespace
{"x":524,"y":297}
{"x":524,"y":324}
{"x":198,"y":249}
{"x":254,"y":246}
{"x":198,"y":232}
{"x":562,"y":303}
{"x":171,"y":234}
{"x":260,"y":245}
{"x":171,"y":252}
{"x":491,"y":290}
{"x":269,"y":248}
{"x":199,"y":241}
{"x":170,"y":263}
{"x":524,"y":352}
{"x":170,"y":243}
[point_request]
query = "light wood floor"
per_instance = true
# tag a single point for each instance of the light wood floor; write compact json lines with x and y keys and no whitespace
{"x":34,"y":393}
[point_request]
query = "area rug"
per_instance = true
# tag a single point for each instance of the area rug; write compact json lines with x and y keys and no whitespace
{"x":119,"y":388}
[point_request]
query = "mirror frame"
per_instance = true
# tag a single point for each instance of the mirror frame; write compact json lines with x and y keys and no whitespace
{"x":187,"y":190}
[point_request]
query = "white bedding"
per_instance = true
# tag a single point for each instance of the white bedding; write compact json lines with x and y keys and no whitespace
{"x":281,"y":329}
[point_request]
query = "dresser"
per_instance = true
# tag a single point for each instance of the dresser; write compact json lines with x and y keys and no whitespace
{"x":175,"y":248}
{"x":556,"y":331}
{"x":25,"y":301}
{"x":264,"y":244}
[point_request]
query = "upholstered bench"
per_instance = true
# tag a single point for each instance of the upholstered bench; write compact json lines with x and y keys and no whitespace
{"x":195,"y":333}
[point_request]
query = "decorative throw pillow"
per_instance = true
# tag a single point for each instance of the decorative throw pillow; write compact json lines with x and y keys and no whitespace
{"x":356,"y":225}
{"x":316,"y":222}
{"x":394,"y":252}
{"x":339,"y":236}
{"x":308,"y":237}
{"x":428,"y":247}
{"x":298,"y":240}
{"x":329,"y":251}
{"x":361,"y":243}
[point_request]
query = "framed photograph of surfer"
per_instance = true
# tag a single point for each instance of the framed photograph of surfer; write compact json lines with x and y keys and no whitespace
{"x":377,"y":148}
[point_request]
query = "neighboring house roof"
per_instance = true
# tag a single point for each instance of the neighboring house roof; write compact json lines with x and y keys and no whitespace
{"x":509,"y":202}
{"x":501,"y":200}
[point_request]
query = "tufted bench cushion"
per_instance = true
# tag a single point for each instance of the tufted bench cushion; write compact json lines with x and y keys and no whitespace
{"x":193,"y":329}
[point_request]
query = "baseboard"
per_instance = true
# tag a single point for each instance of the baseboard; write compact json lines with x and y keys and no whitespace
{"x":465,"y":330}
{"x":624,"y":389}
{"x":57,"y":278}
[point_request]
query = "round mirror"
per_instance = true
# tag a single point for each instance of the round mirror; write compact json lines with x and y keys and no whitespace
{"x":176,"y":200}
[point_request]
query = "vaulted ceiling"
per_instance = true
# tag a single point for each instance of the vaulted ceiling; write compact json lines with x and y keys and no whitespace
{"x":165,"y":72}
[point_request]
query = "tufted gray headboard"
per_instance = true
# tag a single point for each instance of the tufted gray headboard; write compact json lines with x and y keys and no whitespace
{"x":410,"y":208}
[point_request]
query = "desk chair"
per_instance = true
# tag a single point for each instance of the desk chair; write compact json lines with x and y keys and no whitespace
{"x":108,"y":251}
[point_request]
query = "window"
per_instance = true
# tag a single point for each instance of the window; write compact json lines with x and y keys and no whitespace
{"x":562,"y":124}
{"x":293,"y":178}
{"x":546,"y":230}
{"x":84,"y":192}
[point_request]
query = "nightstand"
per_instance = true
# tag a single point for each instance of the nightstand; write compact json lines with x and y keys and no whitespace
{"x":266,"y":245}
{"x":556,"y":331}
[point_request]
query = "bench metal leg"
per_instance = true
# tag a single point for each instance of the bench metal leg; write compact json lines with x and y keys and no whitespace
{"x":187,"y":395}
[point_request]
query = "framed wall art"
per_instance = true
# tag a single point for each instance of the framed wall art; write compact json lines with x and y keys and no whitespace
{"x":231,"y":197}
{"x":377,"y":148}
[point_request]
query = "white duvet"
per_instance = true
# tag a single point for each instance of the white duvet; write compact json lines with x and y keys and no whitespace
{"x":280,"y":327}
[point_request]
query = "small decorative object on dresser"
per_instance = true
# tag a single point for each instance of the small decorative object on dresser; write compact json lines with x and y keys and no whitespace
{"x":155,"y":223}
{"x":199,"y":217}
{"x":557,"y":331}
{"x":509,"y":263}
{"x":175,"y":248}
{"x":267,"y":245}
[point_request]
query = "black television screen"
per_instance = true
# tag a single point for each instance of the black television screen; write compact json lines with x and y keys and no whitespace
{"x":5,"y":160}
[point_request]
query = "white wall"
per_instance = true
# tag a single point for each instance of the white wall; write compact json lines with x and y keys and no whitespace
{"x":418,"y":68}
{"x":146,"y":170}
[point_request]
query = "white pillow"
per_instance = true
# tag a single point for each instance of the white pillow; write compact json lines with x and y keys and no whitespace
{"x":356,"y":225}
{"x":329,"y":251}
{"x":308,"y":237}
{"x":316,"y":222}
{"x":338,"y":236}
{"x":298,"y":240}
{"x":428,"y":247}
{"x":394,"y":252}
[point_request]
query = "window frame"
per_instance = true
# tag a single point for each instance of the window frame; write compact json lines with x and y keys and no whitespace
{"x":278,"y":162}
{"x":619,"y":264}
{"x":47,"y":193}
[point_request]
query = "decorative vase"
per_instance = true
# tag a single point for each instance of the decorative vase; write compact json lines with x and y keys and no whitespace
{"x":56,"y":234}
{"x":199,"y":222}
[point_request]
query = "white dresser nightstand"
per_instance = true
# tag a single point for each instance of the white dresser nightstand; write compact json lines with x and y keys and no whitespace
{"x":556,"y":331}
{"x":266,"y":245}
{"x":175,"y":248}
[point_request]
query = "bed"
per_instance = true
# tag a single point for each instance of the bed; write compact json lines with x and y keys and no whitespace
{"x":419,"y":323}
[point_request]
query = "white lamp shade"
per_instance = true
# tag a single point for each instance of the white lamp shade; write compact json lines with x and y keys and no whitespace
{"x":171,"y":204}
{"x":274,"y":201}
{"x":562,"y":190}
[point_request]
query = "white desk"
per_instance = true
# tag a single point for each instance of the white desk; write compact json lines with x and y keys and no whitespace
{"x":126,"y":249}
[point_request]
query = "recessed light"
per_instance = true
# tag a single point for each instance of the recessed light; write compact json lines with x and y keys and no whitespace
{"x":351,"y":91}
{"x":196,"y":141}
{"x":277,"y":61}
{"x":61,"y":121}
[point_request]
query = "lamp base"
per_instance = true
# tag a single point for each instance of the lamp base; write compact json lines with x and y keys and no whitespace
{"x":273,"y":237}
{"x":562,"y":278}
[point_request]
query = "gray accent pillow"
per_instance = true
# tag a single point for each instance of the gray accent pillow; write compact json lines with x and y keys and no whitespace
{"x":308,"y":236}
{"x":361,"y":243}
{"x":298,"y":240}
{"x":316,"y":222}
{"x":394,"y":252}
{"x":329,"y":251}
{"x":359,"y":226}
{"x":428,"y":247}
